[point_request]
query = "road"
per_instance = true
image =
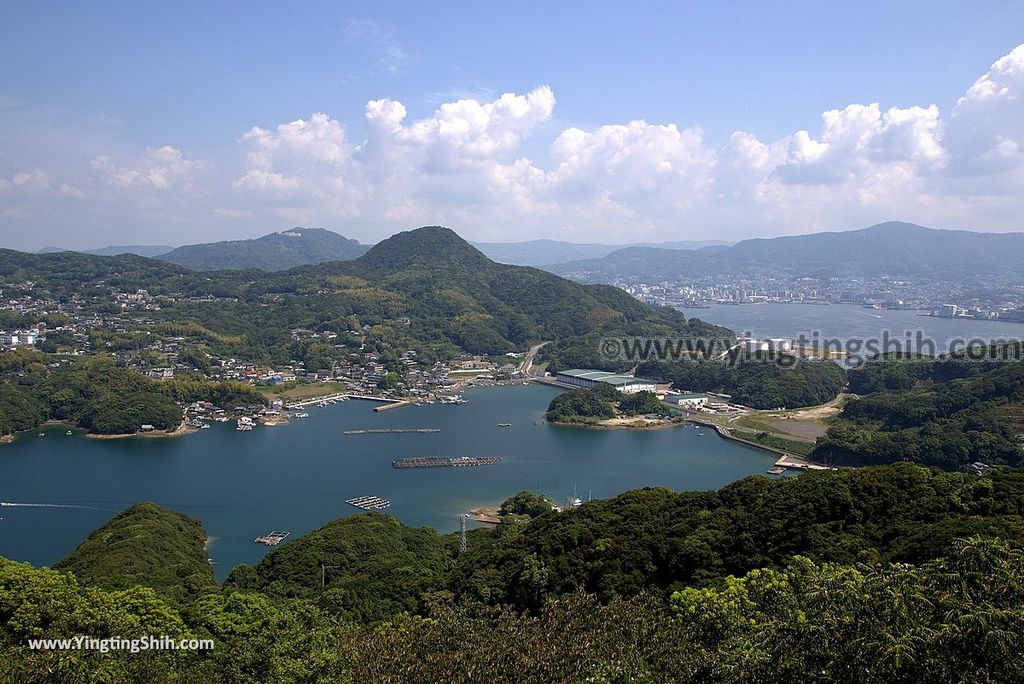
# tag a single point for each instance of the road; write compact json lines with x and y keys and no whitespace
{"x":527,"y":363}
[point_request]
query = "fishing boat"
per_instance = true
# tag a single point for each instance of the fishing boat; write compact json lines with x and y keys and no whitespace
{"x":504,"y":424}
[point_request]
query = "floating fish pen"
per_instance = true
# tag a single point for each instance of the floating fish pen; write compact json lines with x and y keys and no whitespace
{"x":369,"y":503}
{"x":388,"y":431}
{"x":437,"y":462}
{"x":272,"y":538}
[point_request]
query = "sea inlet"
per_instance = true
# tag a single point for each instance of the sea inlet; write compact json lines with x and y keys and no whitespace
{"x":297,"y":476}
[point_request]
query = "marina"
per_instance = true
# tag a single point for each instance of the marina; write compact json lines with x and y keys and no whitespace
{"x":437,"y":462}
{"x":272,"y":538}
{"x":369,"y":503}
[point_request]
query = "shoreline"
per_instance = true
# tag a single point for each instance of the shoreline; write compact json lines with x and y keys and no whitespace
{"x":636,"y":428}
{"x":180,"y":431}
{"x":785,"y":458}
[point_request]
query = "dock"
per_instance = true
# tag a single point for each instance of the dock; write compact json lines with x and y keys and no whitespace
{"x":439,"y":462}
{"x":390,"y":431}
{"x":395,"y":403}
{"x":369,"y":503}
{"x":271,"y":538}
{"x":339,"y":396}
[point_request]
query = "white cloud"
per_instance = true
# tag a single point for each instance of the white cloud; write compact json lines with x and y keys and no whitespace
{"x":34,"y":181}
{"x":493,"y":169}
{"x":160,"y":168}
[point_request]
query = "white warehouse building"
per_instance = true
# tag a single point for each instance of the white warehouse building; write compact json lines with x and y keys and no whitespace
{"x":582,"y":377}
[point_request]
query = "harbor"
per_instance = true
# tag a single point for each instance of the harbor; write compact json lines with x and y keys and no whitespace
{"x":438,"y":462}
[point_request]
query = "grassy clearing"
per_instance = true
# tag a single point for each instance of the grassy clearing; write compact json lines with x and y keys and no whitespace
{"x":298,"y":392}
{"x":774,"y":441}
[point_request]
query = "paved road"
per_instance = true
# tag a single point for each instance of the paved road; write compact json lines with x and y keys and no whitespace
{"x":527,"y":364}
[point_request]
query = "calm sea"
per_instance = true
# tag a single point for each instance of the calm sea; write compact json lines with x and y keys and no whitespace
{"x":296,"y":477}
{"x":847,"y":321}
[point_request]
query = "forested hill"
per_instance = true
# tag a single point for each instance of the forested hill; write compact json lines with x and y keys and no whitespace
{"x":447,"y":287}
{"x":145,"y":545}
{"x":941,"y":412}
{"x":273,"y":252}
{"x":892,"y":248}
{"x":426,"y":289}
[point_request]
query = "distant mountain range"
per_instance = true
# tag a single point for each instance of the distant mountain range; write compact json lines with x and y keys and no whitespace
{"x":305,"y":246}
{"x":891,"y":248}
{"x":114,"y":250}
{"x":548,"y":252}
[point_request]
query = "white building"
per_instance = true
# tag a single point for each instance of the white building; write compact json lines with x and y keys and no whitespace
{"x":582,"y":377}
{"x":19,"y":338}
{"x":690,"y":402}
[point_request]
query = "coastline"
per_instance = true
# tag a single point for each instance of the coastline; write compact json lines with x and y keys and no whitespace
{"x":181,"y":430}
{"x":622,"y":426}
{"x":785,"y":460}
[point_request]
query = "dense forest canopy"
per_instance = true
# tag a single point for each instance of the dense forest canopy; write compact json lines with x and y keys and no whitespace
{"x":755,"y":381}
{"x":149,"y":546}
{"x":936,"y":412}
{"x":101,"y":397}
{"x":600,"y":402}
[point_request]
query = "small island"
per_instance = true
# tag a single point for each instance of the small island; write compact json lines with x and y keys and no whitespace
{"x":604,"y":406}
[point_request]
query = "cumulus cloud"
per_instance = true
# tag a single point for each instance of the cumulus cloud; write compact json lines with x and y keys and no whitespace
{"x":27,"y":182}
{"x":160,"y":168}
{"x":465,"y":164}
{"x":492,"y":168}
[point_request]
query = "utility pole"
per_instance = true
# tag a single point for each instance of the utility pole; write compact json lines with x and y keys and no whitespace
{"x":462,"y":533}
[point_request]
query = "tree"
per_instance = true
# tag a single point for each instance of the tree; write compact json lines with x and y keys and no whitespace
{"x":526,"y":503}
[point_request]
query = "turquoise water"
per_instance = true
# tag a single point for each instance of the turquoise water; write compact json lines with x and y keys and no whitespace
{"x":296,"y":477}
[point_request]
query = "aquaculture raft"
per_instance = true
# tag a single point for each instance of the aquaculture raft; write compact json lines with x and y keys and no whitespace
{"x":388,"y":431}
{"x":271,"y":538}
{"x":369,"y":503}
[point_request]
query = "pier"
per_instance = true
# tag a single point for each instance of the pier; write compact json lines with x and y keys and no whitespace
{"x":390,"y":431}
{"x":340,"y":396}
{"x":369,"y":503}
{"x":271,"y":538}
{"x":439,"y":462}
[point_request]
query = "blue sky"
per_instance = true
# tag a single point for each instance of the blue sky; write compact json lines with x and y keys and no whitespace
{"x":134,"y":122}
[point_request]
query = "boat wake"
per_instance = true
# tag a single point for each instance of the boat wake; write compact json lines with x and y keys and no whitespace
{"x":45,"y":505}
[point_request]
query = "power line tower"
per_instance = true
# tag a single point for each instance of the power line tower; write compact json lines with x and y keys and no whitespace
{"x":462,"y":532}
